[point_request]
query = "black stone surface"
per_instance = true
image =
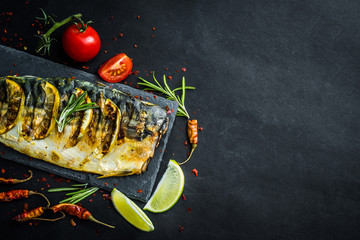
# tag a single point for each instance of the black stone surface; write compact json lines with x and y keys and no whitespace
{"x":32,"y":65}
{"x":277,"y":94}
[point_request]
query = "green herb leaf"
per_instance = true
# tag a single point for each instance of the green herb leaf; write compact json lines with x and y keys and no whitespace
{"x":73,"y":106}
{"x":169,"y":94}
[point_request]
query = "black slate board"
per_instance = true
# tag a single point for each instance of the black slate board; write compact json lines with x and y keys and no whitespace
{"x":27,"y":64}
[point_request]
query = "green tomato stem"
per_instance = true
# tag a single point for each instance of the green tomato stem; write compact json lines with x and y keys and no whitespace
{"x":56,"y":25}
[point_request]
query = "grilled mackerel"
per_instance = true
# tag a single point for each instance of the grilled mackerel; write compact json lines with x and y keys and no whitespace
{"x":116,"y":139}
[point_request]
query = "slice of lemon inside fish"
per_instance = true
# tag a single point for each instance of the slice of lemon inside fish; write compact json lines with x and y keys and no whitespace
{"x":130,"y":211}
{"x":169,"y":189}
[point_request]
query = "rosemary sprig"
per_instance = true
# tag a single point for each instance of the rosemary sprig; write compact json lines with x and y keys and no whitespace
{"x":78,"y":195}
{"x":73,"y":106}
{"x":169,"y":94}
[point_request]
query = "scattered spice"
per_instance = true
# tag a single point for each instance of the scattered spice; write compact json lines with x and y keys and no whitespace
{"x":183,"y":69}
{"x":195,"y":172}
{"x":201,"y":128}
{"x":181,"y":228}
{"x":169,"y":77}
{"x":121,"y":34}
{"x":153,"y":29}
{"x":2,"y":171}
{"x":114,"y":38}
{"x":138,"y":17}
{"x":72,"y":222}
{"x":41,"y":179}
{"x":135,"y":46}
{"x":183,"y":197}
{"x":189,"y":210}
{"x":139,"y":191}
{"x":85,"y":67}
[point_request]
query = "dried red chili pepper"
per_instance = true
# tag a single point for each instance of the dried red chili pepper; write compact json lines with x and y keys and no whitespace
{"x":192,"y":131}
{"x":19,"y":194}
{"x":77,"y":211}
{"x":15,"y":181}
{"x":34,"y":214}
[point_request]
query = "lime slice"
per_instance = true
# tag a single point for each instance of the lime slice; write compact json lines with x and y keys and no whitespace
{"x":169,"y":189}
{"x":130,"y":211}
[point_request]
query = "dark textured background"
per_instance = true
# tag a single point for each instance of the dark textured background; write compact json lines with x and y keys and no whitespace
{"x":277,"y":93}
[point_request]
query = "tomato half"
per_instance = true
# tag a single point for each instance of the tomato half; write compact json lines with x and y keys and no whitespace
{"x":81,"y":46}
{"x":116,"y":68}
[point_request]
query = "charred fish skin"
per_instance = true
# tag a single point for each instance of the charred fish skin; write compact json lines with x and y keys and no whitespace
{"x":116,"y":139}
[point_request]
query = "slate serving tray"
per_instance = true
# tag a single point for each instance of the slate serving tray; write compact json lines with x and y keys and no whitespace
{"x":27,"y":64}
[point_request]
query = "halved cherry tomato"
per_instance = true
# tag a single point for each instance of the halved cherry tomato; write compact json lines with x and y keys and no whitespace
{"x":81,"y":46}
{"x":116,"y":68}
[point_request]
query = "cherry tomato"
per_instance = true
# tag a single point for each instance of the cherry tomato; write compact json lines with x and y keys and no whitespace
{"x":81,"y":46}
{"x":116,"y":68}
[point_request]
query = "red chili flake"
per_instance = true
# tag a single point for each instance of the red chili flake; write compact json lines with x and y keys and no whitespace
{"x":47,"y":185}
{"x":14,"y":64}
{"x":2,"y":152}
{"x":2,"y":171}
{"x":121,"y":34}
{"x":139,"y":191}
{"x":172,"y":110}
{"x":135,"y":46}
{"x":166,"y":68}
{"x":189,"y":210}
{"x":185,"y":142}
{"x":9,"y":13}
{"x":138,"y":17}
{"x":26,"y":2}
{"x":115,"y":184}
{"x":195,"y":172}
{"x":183,"y":69}
{"x":90,"y":200}
{"x":20,"y":39}
{"x":136,"y":96}
{"x":141,"y":98}
{"x":169,"y":77}
{"x":153,"y":29}
{"x":201,"y":128}
{"x":183,"y":197}
{"x":42,"y":179}
{"x":181,"y":228}
{"x":106,"y":196}
{"x":72,"y":77}
{"x":152,"y":35}
{"x":30,"y":158}
{"x":26,"y":206}
{"x":5,"y":31}
{"x":112,"y":17}
{"x":114,"y":38}
{"x":177,"y":70}
{"x":147,"y":98}
{"x":85,"y":67}
{"x":154,"y":96}
{"x":4,"y":39}
{"x":72,"y":222}
{"x":106,"y":184}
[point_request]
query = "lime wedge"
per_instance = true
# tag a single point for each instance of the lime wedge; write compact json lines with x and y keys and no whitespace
{"x":169,"y":189}
{"x":130,"y":211}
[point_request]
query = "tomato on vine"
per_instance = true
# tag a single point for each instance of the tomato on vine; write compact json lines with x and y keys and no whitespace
{"x":81,"y":42}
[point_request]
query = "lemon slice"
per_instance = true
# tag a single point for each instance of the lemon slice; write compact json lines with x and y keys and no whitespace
{"x":130,"y":211}
{"x":169,"y":189}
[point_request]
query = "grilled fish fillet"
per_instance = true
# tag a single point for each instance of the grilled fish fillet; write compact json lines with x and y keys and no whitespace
{"x":116,"y":139}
